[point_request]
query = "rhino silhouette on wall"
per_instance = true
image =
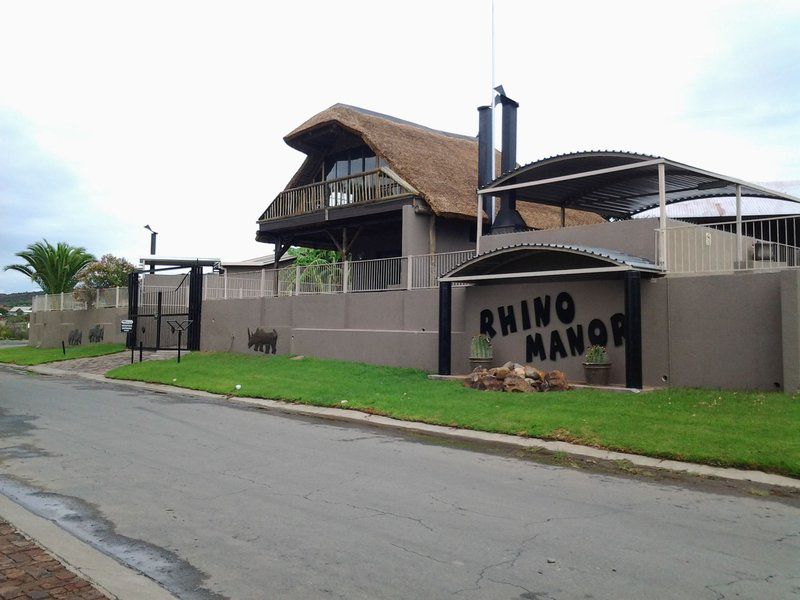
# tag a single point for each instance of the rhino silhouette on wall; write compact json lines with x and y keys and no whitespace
{"x":96,"y":334}
{"x":261,"y":340}
{"x":74,"y":338}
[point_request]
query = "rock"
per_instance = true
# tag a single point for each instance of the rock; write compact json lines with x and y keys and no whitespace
{"x":298,"y":357}
{"x":512,"y":383}
{"x":556,"y":381}
{"x":509,"y":365}
{"x":519,"y":371}
{"x":475,"y":377}
{"x":500,"y":372}
{"x":533,"y":372}
{"x":491,"y":384}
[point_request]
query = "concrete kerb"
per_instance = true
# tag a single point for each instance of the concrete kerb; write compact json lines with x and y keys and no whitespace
{"x":456,"y":433}
{"x":112,"y":578}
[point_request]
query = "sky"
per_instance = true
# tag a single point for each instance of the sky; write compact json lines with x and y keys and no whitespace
{"x":115,"y":115}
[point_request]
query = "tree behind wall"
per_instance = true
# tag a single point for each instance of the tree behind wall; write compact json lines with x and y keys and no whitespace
{"x":53,"y":268}
{"x":108,"y":272}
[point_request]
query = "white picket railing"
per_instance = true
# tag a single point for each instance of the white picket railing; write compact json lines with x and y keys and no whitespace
{"x":82,"y":299}
{"x":761,"y":244}
{"x":374,"y":275}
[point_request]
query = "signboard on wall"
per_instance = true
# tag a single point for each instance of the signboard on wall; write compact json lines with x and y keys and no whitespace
{"x":549,"y":323}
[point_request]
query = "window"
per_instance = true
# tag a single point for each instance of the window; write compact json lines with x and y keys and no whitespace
{"x":349,"y":162}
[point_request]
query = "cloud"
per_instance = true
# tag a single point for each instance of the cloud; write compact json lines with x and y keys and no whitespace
{"x":39,"y":198}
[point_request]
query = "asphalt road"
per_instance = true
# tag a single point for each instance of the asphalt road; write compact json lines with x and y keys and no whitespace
{"x":216,"y":500}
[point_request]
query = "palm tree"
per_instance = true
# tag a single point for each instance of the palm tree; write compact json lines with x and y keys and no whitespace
{"x":53,"y":268}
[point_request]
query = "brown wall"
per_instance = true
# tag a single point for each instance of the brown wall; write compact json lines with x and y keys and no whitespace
{"x":738,"y":331}
{"x":725,"y":331}
{"x":393,"y":328}
{"x":50,"y":328}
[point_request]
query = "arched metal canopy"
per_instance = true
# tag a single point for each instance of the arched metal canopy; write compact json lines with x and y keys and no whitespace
{"x":545,"y":260}
{"x":618,"y":184}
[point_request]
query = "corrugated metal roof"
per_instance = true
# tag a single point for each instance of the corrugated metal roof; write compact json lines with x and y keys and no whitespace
{"x":613,"y":183}
{"x":492,"y":263}
{"x":725,"y":207}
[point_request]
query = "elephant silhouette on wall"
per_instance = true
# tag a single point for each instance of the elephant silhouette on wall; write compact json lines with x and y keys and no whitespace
{"x":74,"y":338}
{"x":260,"y":340}
{"x":96,"y":334}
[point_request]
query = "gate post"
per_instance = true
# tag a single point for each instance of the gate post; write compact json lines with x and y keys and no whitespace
{"x":195,"y":307}
{"x":133,"y":306}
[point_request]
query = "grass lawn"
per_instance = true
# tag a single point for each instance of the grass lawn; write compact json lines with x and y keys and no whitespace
{"x":27,"y":355}
{"x":742,"y":429}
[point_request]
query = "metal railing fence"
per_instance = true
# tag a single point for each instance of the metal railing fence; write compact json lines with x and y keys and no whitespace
{"x":372,"y":275}
{"x":761,"y":244}
{"x":82,"y":299}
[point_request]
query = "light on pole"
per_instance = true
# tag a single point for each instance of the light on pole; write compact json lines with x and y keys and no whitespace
{"x":153,"y":235}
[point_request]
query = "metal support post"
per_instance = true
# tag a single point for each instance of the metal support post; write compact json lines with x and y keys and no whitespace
{"x":62,"y":300}
{"x":445,"y":324}
{"x":409,"y":267}
{"x":633,"y":330}
{"x":345,"y":276}
{"x":739,"y":245}
{"x":297,"y":280}
{"x":662,"y":216}
{"x":479,"y":231}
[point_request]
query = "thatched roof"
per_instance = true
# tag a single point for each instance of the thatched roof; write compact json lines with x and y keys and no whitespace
{"x":442,"y":166}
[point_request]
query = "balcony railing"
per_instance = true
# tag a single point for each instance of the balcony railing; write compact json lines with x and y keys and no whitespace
{"x":760,"y":244}
{"x":371,"y":186}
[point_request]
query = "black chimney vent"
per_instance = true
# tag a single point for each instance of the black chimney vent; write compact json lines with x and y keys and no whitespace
{"x":485,"y":175}
{"x":508,"y":219}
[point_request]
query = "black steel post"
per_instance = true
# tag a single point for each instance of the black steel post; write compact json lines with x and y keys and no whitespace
{"x":153,"y":235}
{"x":633,"y":329}
{"x":445,"y":323}
{"x":133,"y":306}
{"x":195,"y":308}
{"x":141,"y":347}
{"x":158,"y":321}
{"x":131,"y":352}
{"x":63,"y":348}
{"x":485,"y":149}
{"x":179,"y":346}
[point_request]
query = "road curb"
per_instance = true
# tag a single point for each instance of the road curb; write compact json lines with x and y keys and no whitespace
{"x":104,"y":572}
{"x":353,"y":415}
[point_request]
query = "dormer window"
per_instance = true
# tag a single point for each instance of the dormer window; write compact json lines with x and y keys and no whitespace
{"x":347,"y":163}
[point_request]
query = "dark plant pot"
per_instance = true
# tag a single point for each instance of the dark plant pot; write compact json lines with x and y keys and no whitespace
{"x":597,"y":373}
{"x":484,"y":363}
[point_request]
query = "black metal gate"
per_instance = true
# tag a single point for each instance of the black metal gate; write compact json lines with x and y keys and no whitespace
{"x":155,"y":300}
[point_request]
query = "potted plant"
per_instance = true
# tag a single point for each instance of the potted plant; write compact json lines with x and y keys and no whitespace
{"x":480,"y":354}
{"x":597,"y":367}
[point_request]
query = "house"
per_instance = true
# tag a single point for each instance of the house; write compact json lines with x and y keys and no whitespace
{"x":565,"y":262}
{"x":374,"y":186}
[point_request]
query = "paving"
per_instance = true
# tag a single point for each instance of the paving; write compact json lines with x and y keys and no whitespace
{"x":213,"y":499}
{"x":98,"y":365}
{"x":28,"y":571}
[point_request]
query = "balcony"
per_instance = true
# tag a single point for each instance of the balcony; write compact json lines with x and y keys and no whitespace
{"x":370,"y":186}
